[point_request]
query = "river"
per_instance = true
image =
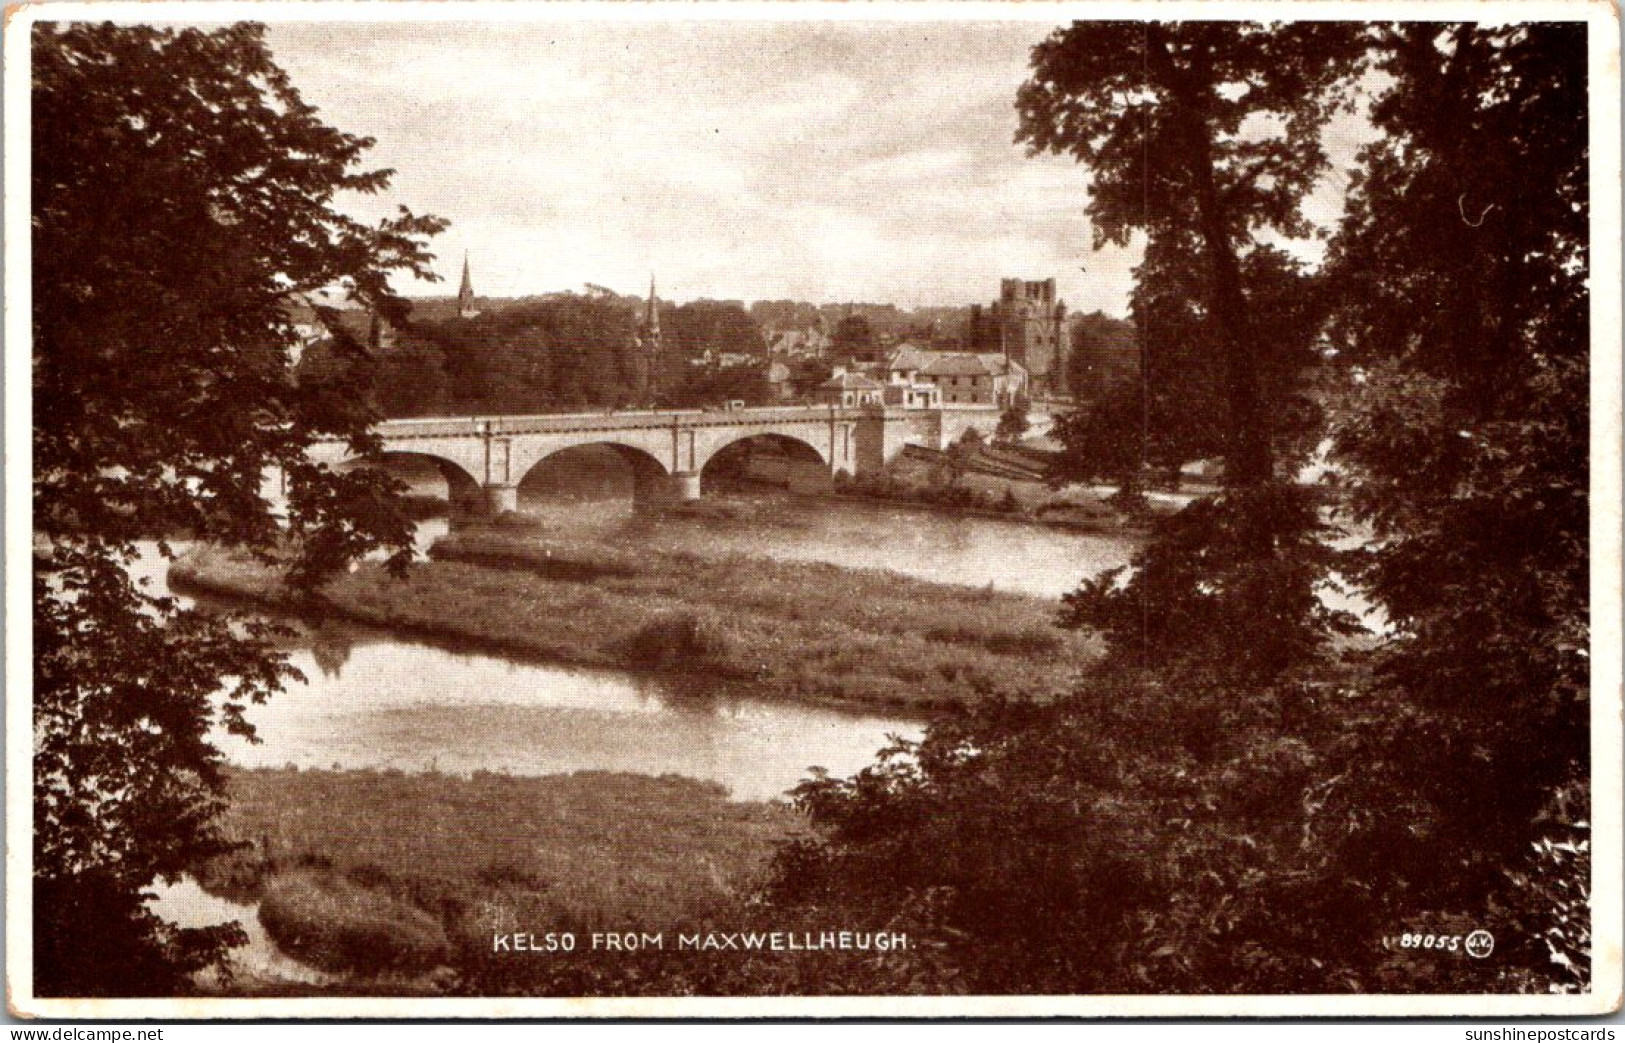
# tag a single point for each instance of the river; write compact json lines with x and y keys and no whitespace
{"x":371,"y":699}
{"x":974,"y":551}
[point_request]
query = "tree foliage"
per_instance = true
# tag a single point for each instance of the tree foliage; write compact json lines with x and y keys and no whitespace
{"x":1248,"y":794}
{"x":1199,"y":135}
{"x":564,"y":352}
{"x":182,"y":199}
{"x":1465,"y":300}
{"x":1013,"y":423}
{"x":723,"y":327}
{"x":1103,"y":352}
{"x":854,"y":338}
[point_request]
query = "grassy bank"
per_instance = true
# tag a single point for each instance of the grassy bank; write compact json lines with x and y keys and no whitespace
{"x":790,"y":630}
{"x":1002,"y":483}
{"x":454,"y":860}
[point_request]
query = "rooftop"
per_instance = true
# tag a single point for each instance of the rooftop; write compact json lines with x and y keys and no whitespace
{"x":967,"y":364}
{"x":852,"y":382}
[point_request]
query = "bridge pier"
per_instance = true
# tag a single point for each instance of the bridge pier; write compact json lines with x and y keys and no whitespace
{"x":500,"y":498}
{"x":677,"y":487}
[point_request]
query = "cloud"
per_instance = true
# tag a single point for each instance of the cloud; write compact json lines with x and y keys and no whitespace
{"x":827,"y":161}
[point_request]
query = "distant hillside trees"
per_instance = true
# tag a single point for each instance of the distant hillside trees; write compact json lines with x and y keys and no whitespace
{"x":1104,"y":352}
{"x":721,"y":327}
{"x":567,"y":352}
{"x":854,"y":338}
{"x":785,"y":315}
{"x":559,"y":353}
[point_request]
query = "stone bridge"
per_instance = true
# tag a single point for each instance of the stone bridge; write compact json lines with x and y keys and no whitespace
{"x":484,"y":459}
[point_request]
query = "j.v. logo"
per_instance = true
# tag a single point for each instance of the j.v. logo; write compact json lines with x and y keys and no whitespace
{"x":1480,"y":944}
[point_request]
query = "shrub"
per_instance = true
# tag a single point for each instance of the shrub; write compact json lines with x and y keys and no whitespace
{"x":337,"y":924}
{"x":677,"y":640}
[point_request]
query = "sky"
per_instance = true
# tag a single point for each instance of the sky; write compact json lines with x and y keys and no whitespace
{"x":736,"y":160}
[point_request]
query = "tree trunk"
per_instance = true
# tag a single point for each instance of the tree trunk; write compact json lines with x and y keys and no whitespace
{"x":1249,"y":460}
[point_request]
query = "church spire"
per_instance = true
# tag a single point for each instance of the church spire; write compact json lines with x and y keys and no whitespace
{"x":465,"y":295}
{"x":648,"y":343}
{"x":651,"y":315}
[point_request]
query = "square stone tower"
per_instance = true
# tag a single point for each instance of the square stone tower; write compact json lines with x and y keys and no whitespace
{"x":1028,"y":326}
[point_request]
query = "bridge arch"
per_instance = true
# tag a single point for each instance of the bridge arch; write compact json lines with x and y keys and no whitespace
{"x":767,"y":457}
{"x":594,"y":471}
{"x":462,"y":489}
{"x":640,"y":462}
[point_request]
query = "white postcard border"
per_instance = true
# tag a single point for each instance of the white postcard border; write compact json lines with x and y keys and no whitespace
{"x":1607,"y":639}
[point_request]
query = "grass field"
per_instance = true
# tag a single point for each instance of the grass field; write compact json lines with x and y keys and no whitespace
{"x":812,"y":632}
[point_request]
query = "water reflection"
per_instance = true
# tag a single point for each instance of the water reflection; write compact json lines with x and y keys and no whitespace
{"x":330,"y":648}
{"x":185,"y":904}
{"x":374,"y":700}
{"x":389,"y":703}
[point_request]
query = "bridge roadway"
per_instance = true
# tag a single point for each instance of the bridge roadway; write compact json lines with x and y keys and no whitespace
{"x":484,"y":459}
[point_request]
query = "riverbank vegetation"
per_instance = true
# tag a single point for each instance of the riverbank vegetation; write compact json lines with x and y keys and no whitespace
{"x":793,"y":630}
{"x":457,"y":860}
{"x":562,"y":352}
{"x":1230,"y":800}
{"x":1021,"y":483}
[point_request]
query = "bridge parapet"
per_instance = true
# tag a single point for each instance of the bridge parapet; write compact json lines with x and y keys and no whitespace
{"x":666,"y":419}
{"x":558,"y":423}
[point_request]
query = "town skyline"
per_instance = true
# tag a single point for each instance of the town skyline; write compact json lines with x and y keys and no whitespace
{"x":447,"y":290}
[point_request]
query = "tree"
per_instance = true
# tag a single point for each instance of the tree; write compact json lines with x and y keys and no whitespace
{"x":962,"y":455}
{"x":1013,"y":423}
{"x":723,"y":327}
{"x":1203,"y":136}
{"x":1164,"y":409}
{"x":711,"y":386}
{"x":1104,"y":352}
{"x":411,"y":380}
{"x":182,"y":199}
{"x":1465,"y":302}
{"x":566,"y":351}
{"x":854,"y":338}
{"x":1157,"y":112}
{"x":1235,"y":800}
{"x":1104,"y":440}
{"x":1188,"y":413}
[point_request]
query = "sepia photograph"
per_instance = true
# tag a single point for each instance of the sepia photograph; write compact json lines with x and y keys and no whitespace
{"x":812,"y":510}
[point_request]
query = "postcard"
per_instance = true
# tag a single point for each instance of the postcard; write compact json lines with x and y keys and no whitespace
{"x":791,"y":510}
